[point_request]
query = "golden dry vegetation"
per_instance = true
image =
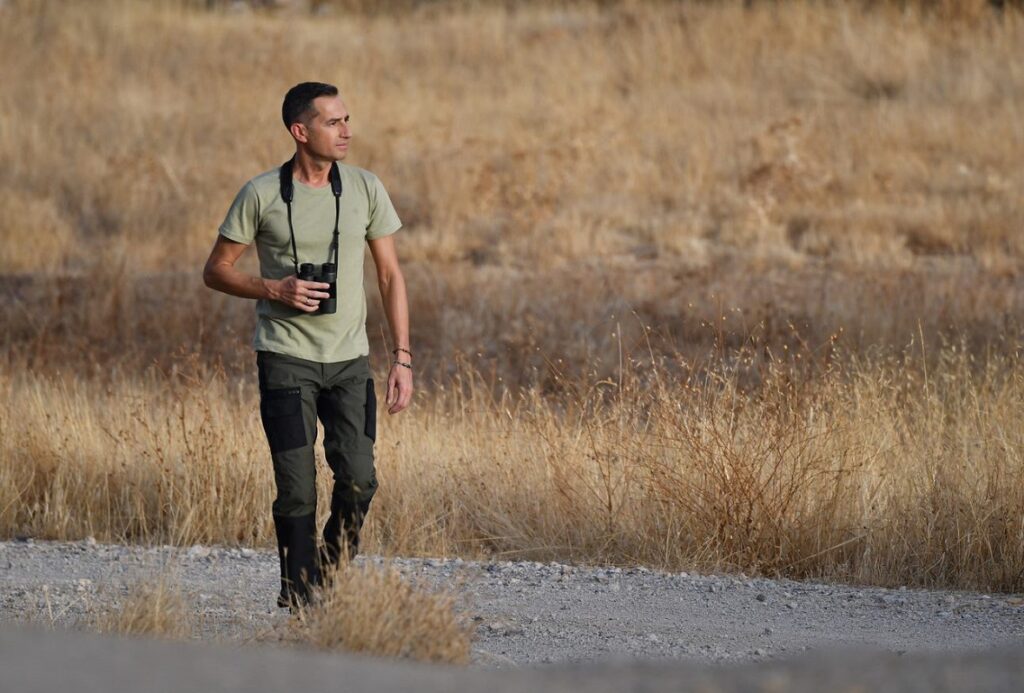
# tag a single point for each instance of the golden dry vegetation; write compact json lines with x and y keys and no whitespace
{"x":376,"y":610}
{"x":368,"y":608}
{"x":693,"y":285}
{"x":152,"y":608}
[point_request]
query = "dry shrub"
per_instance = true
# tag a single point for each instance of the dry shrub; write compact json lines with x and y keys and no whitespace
{"x":152,"y":608}
{"x":376,"y":610}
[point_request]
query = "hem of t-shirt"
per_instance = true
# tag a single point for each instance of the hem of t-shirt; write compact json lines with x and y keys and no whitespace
{"x":316,"y":356}
{"x":231,"y":236}
{"x":385,"y":234}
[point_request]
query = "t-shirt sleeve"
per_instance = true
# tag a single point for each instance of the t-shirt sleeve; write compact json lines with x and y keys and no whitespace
{"x":384,"y":219}
{"x":243,"y":218}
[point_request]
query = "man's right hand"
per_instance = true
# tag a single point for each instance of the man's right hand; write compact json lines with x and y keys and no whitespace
{"x":298,"y":293}
{"x":220,"y":274}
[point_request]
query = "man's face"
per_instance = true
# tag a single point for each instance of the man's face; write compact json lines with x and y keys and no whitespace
{"x":326,"y":133}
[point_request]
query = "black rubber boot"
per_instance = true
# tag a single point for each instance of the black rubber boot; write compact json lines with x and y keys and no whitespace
{"x":343,"y":527}
{"x":296,"y":549}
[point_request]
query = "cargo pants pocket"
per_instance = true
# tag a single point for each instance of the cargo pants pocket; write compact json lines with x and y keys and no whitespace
{"x":370,"y":425}
{"x":281,"y":412}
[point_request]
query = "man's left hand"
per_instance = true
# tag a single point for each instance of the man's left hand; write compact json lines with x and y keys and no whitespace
{"x":399,"y":388}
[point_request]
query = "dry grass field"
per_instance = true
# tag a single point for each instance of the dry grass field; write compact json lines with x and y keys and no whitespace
{"x":694,"y":285}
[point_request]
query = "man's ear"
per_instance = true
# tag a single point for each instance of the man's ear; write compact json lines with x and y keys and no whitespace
{"x":299,"y":132}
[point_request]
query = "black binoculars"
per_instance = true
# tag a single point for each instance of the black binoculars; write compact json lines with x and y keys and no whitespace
{"x":328,"y":275}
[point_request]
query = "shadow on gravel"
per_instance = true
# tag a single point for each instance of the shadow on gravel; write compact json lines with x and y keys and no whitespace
{"x":95,"y":663}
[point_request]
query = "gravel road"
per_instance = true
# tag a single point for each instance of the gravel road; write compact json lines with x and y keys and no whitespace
{"x":533,"y":613}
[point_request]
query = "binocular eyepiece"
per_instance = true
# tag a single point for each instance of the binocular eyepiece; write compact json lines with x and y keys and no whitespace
{"x":328,"y":274}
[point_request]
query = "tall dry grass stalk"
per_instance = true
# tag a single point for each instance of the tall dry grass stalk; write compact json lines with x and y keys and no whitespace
{"x":376,"y":610}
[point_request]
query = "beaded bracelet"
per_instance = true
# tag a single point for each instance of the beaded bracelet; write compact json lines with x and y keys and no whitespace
{"x":398,"y":349}
{"x":402,"y":363}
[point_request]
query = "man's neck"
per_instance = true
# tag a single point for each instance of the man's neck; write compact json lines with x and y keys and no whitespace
{"x":310,"y":171}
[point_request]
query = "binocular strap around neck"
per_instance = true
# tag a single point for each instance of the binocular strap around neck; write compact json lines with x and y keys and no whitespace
{"x":288,"y":193}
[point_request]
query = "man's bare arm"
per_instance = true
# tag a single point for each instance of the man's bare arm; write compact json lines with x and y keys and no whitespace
{"x":221,"y":274}
{"x":391,"y":283}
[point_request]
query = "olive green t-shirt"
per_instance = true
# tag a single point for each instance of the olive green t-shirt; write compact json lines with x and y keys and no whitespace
{"x":259,"y":215}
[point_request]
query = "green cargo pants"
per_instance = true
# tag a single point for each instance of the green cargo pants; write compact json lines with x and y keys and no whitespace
{"x":294,"y":393}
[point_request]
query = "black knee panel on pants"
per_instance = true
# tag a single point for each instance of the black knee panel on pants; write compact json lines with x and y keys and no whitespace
{"x":281,"y":412}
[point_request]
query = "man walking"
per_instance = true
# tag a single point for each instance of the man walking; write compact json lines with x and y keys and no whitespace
{"x":309,"y":220}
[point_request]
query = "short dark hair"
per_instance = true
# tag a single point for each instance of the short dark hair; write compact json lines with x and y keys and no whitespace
{"x":298,"y":102}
